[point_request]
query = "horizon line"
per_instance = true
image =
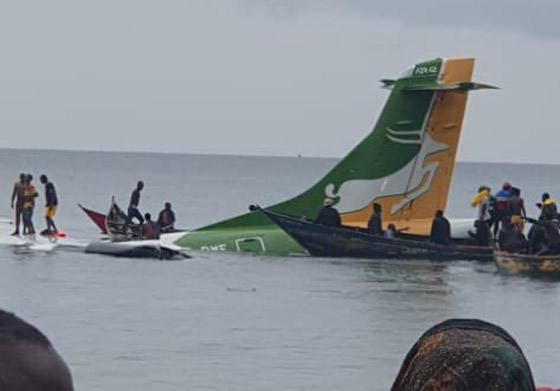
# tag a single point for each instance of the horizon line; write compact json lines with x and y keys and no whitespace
{"x":298,"y":156}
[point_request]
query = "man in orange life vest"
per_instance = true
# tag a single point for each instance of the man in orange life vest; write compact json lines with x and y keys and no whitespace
{"x":166,"y":219}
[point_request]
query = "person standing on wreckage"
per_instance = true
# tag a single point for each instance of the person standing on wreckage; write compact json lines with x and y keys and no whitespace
{"x":29,"y":195}
{"x":51,"y":203}
{"x":133,"y":211}
{"x":18,"y":197}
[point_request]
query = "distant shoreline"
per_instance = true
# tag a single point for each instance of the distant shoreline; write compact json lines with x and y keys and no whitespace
{"x":299,"y":156}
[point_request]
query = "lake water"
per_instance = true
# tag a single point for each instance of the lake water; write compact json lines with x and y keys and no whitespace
{"x":230,"y":322}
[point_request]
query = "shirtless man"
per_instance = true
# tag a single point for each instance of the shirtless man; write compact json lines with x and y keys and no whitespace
{"x":517,"y":208}
{"x":17,"y":196}
{"x":133,"y":211}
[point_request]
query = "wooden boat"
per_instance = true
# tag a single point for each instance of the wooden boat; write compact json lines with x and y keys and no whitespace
{"x":114,"y":223}
{"x":97,"y":218}
{"x":117,"y":224}
{"x":350,"y":242}
{"x":525,"y":264}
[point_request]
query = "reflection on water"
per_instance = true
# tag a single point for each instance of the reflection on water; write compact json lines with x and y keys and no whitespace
{"x":230,"y":322}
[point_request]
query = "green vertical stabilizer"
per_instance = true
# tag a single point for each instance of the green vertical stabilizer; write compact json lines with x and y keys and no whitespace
{"x":393,"y":144}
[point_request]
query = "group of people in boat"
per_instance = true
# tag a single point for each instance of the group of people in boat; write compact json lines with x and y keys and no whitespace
{"x":440,"y":232}
{"x":149,"y":229}
{"x":24,"y":197}
{"x":501,"y":217}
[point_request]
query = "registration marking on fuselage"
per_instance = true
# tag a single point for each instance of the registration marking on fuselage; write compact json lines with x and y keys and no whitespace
{"x":214,"y":247}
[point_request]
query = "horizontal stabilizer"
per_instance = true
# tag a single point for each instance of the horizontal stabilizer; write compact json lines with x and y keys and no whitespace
{"x":461,"y":86}
{"x":387,"y":83}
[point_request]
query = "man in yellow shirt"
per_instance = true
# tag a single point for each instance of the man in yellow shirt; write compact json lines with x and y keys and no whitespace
{"x":29,"y":195}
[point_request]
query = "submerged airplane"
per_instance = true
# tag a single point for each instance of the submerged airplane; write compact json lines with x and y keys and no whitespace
{"x":405,"y":164}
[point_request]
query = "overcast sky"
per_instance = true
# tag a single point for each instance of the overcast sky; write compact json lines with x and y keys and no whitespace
{"x":268,"y":77}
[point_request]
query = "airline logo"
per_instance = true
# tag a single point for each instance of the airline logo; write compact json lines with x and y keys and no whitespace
{"x":410,"y":182}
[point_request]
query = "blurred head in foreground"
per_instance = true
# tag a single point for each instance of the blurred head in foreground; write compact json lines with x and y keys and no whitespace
{"x":28,"y":361}
{"x":465,"y":355}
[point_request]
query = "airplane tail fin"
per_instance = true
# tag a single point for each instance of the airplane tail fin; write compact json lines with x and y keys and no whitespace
{"x":406,"y":162}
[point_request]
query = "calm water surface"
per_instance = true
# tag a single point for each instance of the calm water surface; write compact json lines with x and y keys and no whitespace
{"x":228,"y":322}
